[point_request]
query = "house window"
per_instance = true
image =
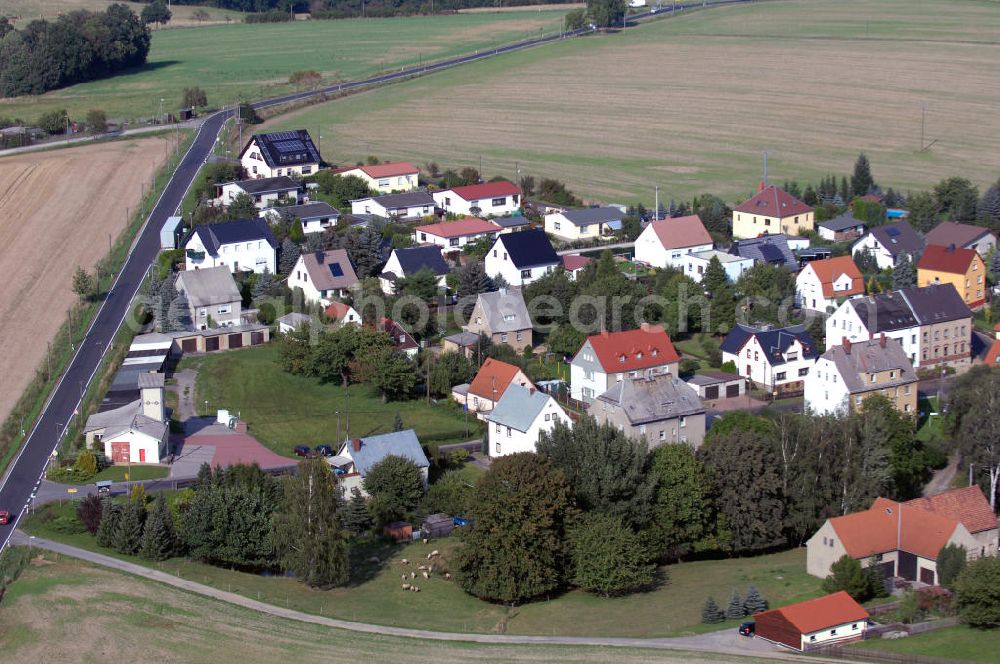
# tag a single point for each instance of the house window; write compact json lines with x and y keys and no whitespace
{"x":494,"y":253}
{"x":556,"y":225}
{"x":525,"y":274}
{"x":892,"y":375}
{"x":812,"y":638}
{"x":683,"y":421}
{"x":588,"y":374}
{"x":225,"y":308}
{"x":804,"y":371}
{"x":833,"y":632}
{"x":383,"y":183}
{"x":756,"y":356}
{"x":498,"y":447}
{"x":306,"y":170}
{"x":857,"y":400}
{"x":780,"y":375}
{"x":498,"y":428}
{"x":202,"y":313}
{"x":584,"y":230}
{"x":854,"y":626}
{"x":453,"y":242}
{"x":520,"y":336}
{"x":663,"y":434}
{"x":498,"y":202}
{"x":503,"y":338}
{"x":872,"y":378}
{"x":654,"y":352}
{"x":508,"y":432}
{"x":547,"y":417}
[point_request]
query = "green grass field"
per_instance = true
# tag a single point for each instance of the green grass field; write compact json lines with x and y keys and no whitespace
{"x":283,"y":410}
{"x":254,"y":61}
{"x":375,"y":596}
{"x":690,"y":103}
{"x":951,"y":643}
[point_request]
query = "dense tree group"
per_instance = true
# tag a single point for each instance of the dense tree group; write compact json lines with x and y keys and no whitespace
{"x":78,"y":46}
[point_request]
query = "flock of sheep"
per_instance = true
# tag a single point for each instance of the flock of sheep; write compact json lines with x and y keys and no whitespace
{"x":425,"y":570}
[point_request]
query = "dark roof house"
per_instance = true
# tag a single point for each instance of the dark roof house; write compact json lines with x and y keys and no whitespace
{"x":308,"y":211}
{"x":261,"y":186}
{"x":286,"y":148}
{"x":597,"y":215}
{"x":884,"y":312}
{"x":414,"y":259}
{"x":214,"y":236}
{"x":898,"y":238}
{"x":966,"y":236}
{"x":774,"y":342}
{"x":772,"y":249}
{"x":937,"y":303}
{"x":530,"y":248}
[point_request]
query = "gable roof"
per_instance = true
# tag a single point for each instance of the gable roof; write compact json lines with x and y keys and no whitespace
{"x":214,"y":236}
{"x":285,"y":148}
{"x":773,"y":202}
{"x":771,"y":249}
{"x":878,"y":529}
{"x":376,"y":448}
{"x":459,"y":228}
{"x":492,"y":379}
{"x":937,"y":303}
{"x":992,"y":358}
{"x":898,"y":238}
{"x":267,"y":185}
{"x":814,"y":615}
{"x":311,"y":210}
{"x":475,"y":192}
{"x":413,"y":259}
{"x":841,"y":223}
{"x":884,"y":312}
{"x":951,"y":259}
{"x":401,"y":339}
{"x":330,"y":269}
{"x":653,"y":398}
{"x":830,"y":270}
{"x":680,"y":232}
{"x":208,"y":286}
{"x":855,"y":360}
{"x":419,"y":198}
{"x":596,"y":215}
{"x":774,"y":342}
{"x":386,"y":170}
{"x":530,"y":248}
{"x":630,"y":350}
{"x":519,"y":407}
{"x":504,"y":310}
{"x":337,"y":310}
{"x":952,"y":232}
{"x":967,"y":505}
{"x":573,"y":262}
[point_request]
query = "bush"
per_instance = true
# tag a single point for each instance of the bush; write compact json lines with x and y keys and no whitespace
{"x":729,"y":367}
{"x":861,"y":583}
{"x":977,"y":593}
{"x":609,"y":558}
{"x":689,"y":366}
{"x":950,"y":562}
{"x":89,"y":511}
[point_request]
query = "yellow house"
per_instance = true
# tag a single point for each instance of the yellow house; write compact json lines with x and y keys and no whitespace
{"x":771,"y":211}
{"x":385,"y":178}
{"x":962,"y":268}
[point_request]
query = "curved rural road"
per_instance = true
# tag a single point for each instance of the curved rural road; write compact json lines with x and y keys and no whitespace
{"x":24,"y":475}
{"x":723,"y":642}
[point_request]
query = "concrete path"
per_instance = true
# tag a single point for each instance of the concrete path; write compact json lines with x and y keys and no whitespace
{"x":185,"y":390}
{"x":725,"y":642}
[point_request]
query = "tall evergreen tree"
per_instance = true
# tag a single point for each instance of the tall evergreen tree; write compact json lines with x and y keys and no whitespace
{"x":735,"y":608}
{"x":904,"y":275}
{"x":127,"y":537}
{"x":178,"y":314}
{"x":754,"y":601}
{"x":356,"y":517}
{"x":365,"y":251}
{"x":109,"y":524}
{"x":862,"y":182}
{"x":159,"y":540}
{"x":710,"y":613}
{"x":308,"y":532}
{"x":288,"y":256}
{"x":988,"y":209}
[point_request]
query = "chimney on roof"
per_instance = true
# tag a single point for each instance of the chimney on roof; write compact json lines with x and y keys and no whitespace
{"x":356,"y":444}
{"x":604,"y":333}
{"x":881,"y":341}
{"x":847,"y":345}
{"x":760,"y":186}
{"x":951,"y":248}
{"x":644,"y":327}
{"x":531,"y":391}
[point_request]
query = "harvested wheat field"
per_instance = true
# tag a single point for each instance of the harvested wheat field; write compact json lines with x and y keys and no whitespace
{"x":689,"y":103}
{"x":64,"y":610}
{"x":57,"y":209}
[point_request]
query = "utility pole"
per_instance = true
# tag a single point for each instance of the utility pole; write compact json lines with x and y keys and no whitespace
{"x":765,"y":168}
{"x":923,"y":117}
{"x":656,"y":208}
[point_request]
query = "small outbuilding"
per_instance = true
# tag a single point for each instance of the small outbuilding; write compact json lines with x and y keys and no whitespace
{"x":714,"y":385}
{"x":437,"y":525}
{"x":817,"y":622}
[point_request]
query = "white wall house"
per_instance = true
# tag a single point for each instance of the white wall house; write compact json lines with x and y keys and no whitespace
{"x":861,"y":319}
{"x":323,"y":275}
{"x":490,"y":199}
{"x":314,"y":217}
{"x":406,"y":206}
{"x":342,"y":314}
{"x":667,"y":242}
{"x":453,"y":235}
{"x":246,"y":245}
{"x":280,"y":153}
{"x":696,"y":264}
{"x":584,"y":224}
{"x":519,"y":419}
{"x":136,"y":432}
{"x":385,"y":178}
{"x":265,"y":192}
{"x":889,"y":242}
{"x":407,"y":262}
{"x":820,"y":284}
{"x":778,"y":360}
{"x":521,"y":257}
{"x":608,"y":357}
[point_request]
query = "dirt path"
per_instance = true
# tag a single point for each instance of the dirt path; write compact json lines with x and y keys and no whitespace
{"x":942,"y":479}
{"x":57,"y":211}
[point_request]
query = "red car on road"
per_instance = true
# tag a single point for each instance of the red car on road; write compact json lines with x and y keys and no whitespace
{"x":4,"y":517}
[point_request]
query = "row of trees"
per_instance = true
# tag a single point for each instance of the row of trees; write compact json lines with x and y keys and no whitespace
{"x":78,"y":46}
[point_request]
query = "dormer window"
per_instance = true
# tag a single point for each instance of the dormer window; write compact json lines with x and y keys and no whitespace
{"x":655,"y":352}
{"x":873,"y":378}
{"x":638,"y":355}
{"x":621,"y":359}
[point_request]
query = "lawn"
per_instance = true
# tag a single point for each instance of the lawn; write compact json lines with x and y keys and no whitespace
{"x":672,"y":609}
{"x":135,"y":474}
{"x":690,"y":103}
{"x":253,"y":61}
{"x":952,"y":643}
{"x":283,"y":410}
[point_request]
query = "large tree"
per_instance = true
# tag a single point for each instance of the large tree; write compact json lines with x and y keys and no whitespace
{"x":974,"y":422}
{"x":609,"y":557}
{"x":516,"y":549}
{"x":951,"y":561}
{"x":957,"y":198}
{"x":159,"y":538}
{"x":156,"y":12}
{"x":288,"y":255}
{"x":606,"y":13}
{"x":862,"y":182}
{"x":606,"y":469}
{"x":448,"y":370}
{"x":394,"y":376}
{"x":422,"y":284}
{"x":988,"y":209}
{"x":924,"y":211}
{"x":396,"y":487}
{"x":977,"y":593}
{"x":365,"y":250}
{"x":682,"y":511}
{"x":308,"y":534}
{"x":859,"y":581}
{"x":904,"y":274}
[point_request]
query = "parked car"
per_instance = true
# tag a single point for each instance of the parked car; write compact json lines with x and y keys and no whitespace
{"x":302,"y":450}
{"x":4,"y":517}
{"x":324,"y":450}
{"x":748,"y":628}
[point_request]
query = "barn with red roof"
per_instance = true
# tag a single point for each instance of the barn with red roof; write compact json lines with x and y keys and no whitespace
{"x":829,"y":619}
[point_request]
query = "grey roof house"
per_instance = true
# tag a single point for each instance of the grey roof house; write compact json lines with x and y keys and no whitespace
{"x":503,"y":316}
{"x":772,"y":249}
{"x":212,"y":295}
{"x":359,"y":455}
{"x":661,"y":408}
{"x":519,"y":419}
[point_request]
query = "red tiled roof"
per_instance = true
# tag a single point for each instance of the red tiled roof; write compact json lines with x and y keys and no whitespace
{"x":967,"y":505}
{"x":459,"y":228}
{"x":773,"y":202}
{"x":337,"y":310}
{"x":993,"y":354}
{"x":821,"y":613}
{"x":648,"y":346}
{"x":996,"y":328}
{"x":492,"y":379}
{"x":574,"y":261}
{"x":876,"y":530}
{"x":681,"y":232}
{"x":396,"y":331}
{"x":831,"y":269}
{"x":386,"y":170}
{"x":946,"y":259}
{"x":475,"y":192}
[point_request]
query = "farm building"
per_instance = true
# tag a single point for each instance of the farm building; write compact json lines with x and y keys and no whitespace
{"x":831,"y":619}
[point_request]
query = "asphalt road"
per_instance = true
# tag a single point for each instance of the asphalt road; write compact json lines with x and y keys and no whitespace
{"x":24,"y":475}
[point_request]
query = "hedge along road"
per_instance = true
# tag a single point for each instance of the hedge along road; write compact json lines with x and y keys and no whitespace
{"x":24,"y":475}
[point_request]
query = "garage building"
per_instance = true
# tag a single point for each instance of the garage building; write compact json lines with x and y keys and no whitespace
{"x":817,"y":622}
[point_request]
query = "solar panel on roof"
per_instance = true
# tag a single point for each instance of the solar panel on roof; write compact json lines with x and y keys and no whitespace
{"x":336,"y":270}
{"x":290,"y":146}
{"x":892,"y":232}
{"x":771,"y":253}
{"x":283,"y":135}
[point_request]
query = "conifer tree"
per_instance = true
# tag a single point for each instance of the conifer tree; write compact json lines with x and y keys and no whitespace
{"x":127,"y":536}
{"x":861,"y":181}
{"x":735,"y":609}
{"x":710,"y":613}
{"x":110,"y":516}
{"x":754,"y":602}
{"x":357,"y":518}
{"x":159,"y":541}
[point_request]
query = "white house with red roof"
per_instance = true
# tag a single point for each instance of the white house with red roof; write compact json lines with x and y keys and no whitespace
{"x":453,"y":235}
{"x":666,"y":243}
{"x":608,"y":357}
{"x":821,"y":284}
{"x":342,"y":314}
{"x":815,"y":622}
{"x":904,"y":539}
{"x":402,"y":340}
{"x":495,"y":199}
{"x":387,"y":178}
{"x":489,"y":384}
{"x":772,"y":210}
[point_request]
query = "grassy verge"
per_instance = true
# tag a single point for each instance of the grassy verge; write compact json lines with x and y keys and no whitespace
{"x":283,"y":410}
{"x":117,"y":474}
{"x":672,"y":609}
{"x":951,"y":643}
{"x":62,"y":347}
